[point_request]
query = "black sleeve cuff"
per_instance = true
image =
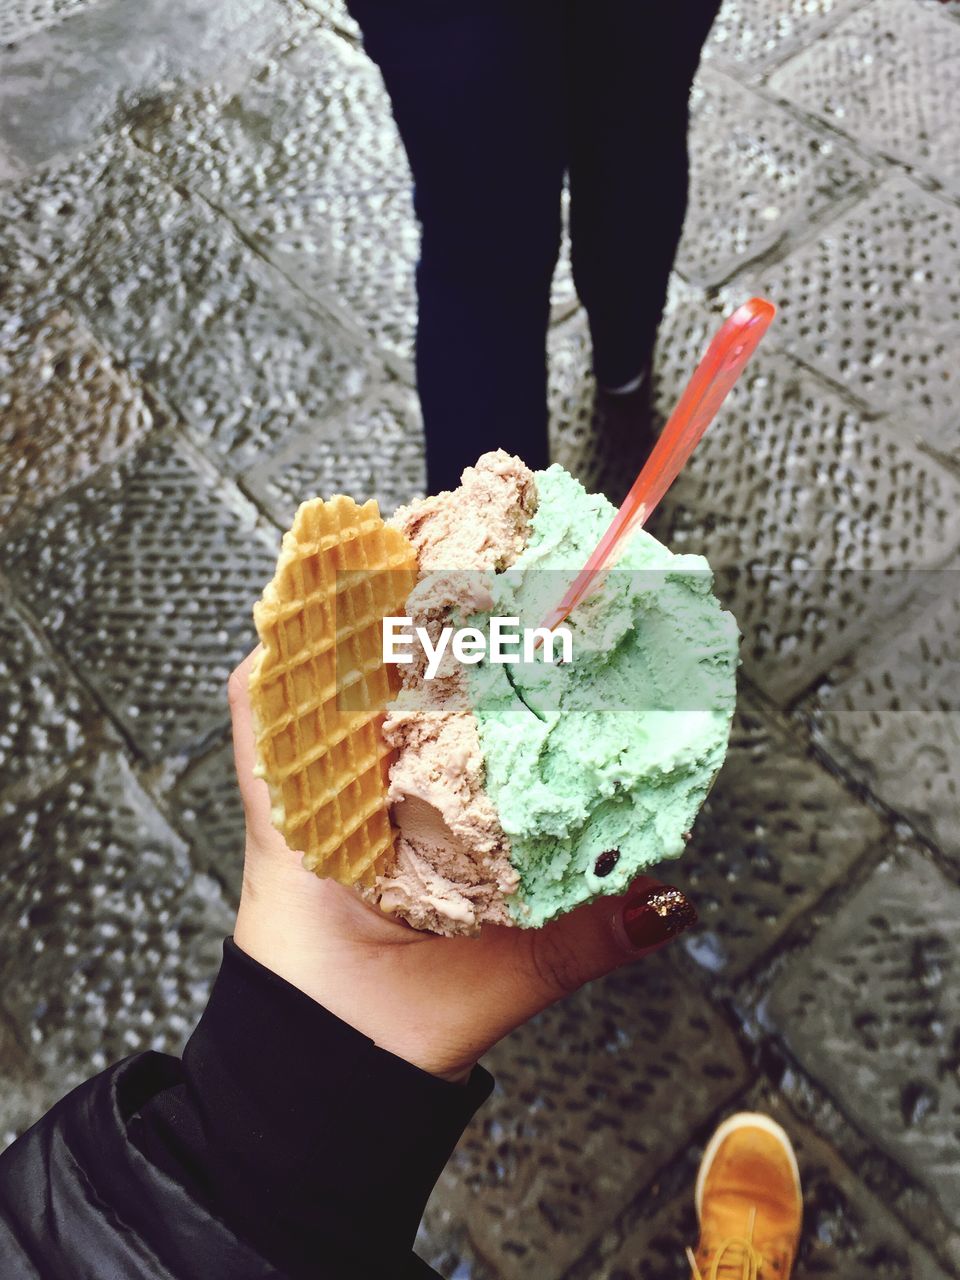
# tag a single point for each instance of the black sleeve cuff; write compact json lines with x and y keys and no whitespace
{"x":313,"y":1138}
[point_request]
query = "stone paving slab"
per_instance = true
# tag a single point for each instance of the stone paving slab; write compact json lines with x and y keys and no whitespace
{"x":375,"y":451}
{"x":334,"y":13}
{"x":892,"y":715}
{"x":123,"y":938}
{"x":873,"y":1010}
{"x":21,"y":18}
{"x":813,"y":513}
{"x":145,"y":581}
{"x":306,"y":158}
{"x":234,"y":347}
{"x":815,"y":516}
{"x":903,"y":1197}
{"x":888,"y":75}
{"x":23,"y":1098}
{"x":62,"y":84}
{"x":443,"y":1243}
{"x":369,"y":266}
{"x":873,"y":302}
{"x":776,"y":832}
{"x":45,"y":718}
{"x":66,"y":408}
{"x":592,"y":1097}
{"x":758,"y":178}
{"x":45,"y":221}
{"x":847,"y":1233}
{"x":167,"y":284}
{"x":10,"y":169}
{"x":314,"y":120}
{"x":205,"y":806}
{"x":749,"y":36}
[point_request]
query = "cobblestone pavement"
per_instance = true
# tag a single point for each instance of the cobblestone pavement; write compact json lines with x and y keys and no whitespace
{"x":206,"y":246}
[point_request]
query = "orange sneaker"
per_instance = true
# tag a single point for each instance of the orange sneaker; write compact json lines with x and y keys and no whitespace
{"x":748,"y":1203}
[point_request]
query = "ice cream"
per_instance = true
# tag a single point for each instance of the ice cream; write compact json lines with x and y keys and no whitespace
{"x":597,"y":769}
{"x":451,"y":868}
{"x":520,"y":791}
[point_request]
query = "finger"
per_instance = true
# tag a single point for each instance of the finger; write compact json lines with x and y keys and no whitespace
{"x":524,"y":970}
{"x":650,"y":916}
{"x":238,"y":696}
{"x":602,"y":936}
{"x":253,"y":791}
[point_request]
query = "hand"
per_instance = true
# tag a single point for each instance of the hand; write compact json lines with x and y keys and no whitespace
{"x":438,"y":1002}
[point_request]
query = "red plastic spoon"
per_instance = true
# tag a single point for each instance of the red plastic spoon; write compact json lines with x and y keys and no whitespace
{"x":706,"y":391}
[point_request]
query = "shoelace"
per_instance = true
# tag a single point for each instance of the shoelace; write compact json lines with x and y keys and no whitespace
{"x":745,"y":1267}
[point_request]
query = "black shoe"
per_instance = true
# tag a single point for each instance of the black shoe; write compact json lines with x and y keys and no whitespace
{"x":625,"y":429}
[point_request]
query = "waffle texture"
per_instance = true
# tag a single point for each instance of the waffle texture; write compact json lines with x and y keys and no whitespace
{"x":319,"y":686}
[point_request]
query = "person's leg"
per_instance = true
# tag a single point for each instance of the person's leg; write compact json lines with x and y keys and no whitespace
{"x":631,"y":68}
{"x":477,"y":95}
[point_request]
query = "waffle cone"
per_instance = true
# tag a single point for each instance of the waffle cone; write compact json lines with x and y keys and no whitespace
{"x":319,"y":686}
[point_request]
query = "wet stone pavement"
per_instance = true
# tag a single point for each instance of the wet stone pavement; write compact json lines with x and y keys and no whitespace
{"x":206,"y":308}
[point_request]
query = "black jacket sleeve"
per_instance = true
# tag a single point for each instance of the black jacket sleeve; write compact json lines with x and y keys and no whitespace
{"x":284,"y":1144}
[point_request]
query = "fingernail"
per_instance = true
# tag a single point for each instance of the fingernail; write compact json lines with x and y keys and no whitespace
{"x":655,"y":917}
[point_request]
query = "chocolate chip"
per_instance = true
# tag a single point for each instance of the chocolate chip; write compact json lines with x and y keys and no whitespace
{"x":606,"y":862}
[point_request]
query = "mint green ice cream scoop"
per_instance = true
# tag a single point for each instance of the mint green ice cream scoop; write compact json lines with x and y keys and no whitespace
{"x":597,"y":767}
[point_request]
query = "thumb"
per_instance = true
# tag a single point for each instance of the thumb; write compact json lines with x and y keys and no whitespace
{"x":241,"y":717}
{"x":602,"y":936}
{"x":261,"y":833}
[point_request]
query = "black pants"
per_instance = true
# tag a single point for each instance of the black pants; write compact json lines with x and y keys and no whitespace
{"x":495,"y":100}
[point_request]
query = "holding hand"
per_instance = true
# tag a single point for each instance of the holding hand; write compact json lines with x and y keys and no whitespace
{"x":438,"y":1002}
